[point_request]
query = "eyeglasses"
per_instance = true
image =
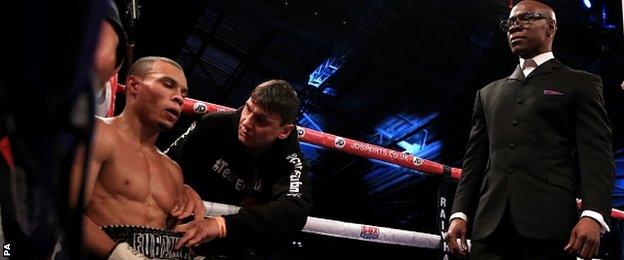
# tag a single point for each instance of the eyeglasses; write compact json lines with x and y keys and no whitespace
{"x":521,"y":19}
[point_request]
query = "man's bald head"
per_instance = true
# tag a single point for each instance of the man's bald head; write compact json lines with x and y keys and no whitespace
{"x":538,"y":6}
{"x":531,"y":28}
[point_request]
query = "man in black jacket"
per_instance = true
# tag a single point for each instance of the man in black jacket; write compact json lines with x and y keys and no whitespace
{"x":538,"y":137}
{"x":250,"y":158}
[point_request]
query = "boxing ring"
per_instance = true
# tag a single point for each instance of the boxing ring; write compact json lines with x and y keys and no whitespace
{"x":355,"y":231}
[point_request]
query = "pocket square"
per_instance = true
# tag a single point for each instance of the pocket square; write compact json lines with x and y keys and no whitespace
{"x":550,"y":92}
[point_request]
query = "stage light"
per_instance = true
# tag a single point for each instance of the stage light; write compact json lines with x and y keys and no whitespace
{"x":330,"y":91}
{"x":324,"y":71}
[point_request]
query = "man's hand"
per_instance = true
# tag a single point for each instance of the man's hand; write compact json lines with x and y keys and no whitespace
{"x":197,"y":232}
{"x":585,"y":238}
{"x":188,"y":202}
{"x":457,"y":230}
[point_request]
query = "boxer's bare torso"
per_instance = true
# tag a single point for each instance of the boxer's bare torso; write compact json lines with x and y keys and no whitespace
{"x":129,"y":181}
{"x":135,"y":183}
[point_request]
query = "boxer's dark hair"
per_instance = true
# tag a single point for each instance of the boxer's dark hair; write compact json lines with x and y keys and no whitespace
{"x":145,"y":65}
{"x":278,"y":97}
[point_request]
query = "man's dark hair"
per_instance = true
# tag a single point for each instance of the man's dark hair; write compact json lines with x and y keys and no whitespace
{"x":277,"y":96}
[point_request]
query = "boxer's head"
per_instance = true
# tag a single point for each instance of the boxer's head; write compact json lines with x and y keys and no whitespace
{"x":155,"y":90}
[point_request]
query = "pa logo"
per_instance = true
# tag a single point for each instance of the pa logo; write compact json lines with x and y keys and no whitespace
{"x":300,"y":132}
{"x":6,"y":250}
{"x":339,"y":142}
{"x":417,"y":161}
{"x":200,"y":108}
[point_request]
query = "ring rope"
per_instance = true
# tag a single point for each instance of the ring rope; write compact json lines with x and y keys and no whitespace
{"x":334,"y":228}
{"x":350,"y":146}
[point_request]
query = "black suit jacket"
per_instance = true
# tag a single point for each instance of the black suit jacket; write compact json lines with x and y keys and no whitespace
{"x":537,"y":143}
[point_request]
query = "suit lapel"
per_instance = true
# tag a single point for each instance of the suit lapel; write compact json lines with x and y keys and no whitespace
{"x":545,"y":68}
{"x":517,"y":74}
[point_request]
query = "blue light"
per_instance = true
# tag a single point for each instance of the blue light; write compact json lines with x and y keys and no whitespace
{"x":330,"y":91}
{"x":312,"y":152}
{"x":324,"y":71}
{"x":387,"y":176}
{"x":587,"y":3}
{"x":605,"y":24}
{"x":618,"y":191}
{"x":312,"y":122}
{"x":396,"y":126}
{"x":410,"y":148}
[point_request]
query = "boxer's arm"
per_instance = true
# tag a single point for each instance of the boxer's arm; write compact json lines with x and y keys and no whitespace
{"x":98,"y":244}
{"x":102,"y":147}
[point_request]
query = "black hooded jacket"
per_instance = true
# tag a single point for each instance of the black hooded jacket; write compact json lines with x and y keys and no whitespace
{"x":271,"y":187}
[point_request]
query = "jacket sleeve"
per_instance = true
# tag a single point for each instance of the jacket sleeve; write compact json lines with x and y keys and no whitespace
{"x":593,"y":144}
{"x":286,"y":214}
{"x":475,"y":161}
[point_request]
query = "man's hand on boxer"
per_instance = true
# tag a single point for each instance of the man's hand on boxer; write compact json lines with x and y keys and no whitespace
{"x":188,"y":203}
{"x":197,"y":232}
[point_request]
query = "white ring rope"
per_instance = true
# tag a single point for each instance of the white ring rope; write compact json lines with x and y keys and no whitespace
{"x":334,"y":228}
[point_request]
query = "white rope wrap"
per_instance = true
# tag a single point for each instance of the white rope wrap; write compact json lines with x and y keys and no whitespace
{"x":334,"y":228}
{"x":375,"y":234}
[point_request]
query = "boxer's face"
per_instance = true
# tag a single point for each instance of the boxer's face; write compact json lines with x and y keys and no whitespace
{"x":258,"y":129}
{"x":164,"y":90}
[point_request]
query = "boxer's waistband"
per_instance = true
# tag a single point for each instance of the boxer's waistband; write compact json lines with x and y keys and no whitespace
{"x":154,"y":243}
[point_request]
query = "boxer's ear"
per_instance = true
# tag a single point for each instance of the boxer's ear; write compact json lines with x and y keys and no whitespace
{"x":132,"y":84}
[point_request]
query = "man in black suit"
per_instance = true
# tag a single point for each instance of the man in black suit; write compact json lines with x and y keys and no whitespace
{"x":538,"y":137}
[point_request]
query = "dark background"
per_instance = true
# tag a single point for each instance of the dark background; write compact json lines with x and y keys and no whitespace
{"x":408,"y":72}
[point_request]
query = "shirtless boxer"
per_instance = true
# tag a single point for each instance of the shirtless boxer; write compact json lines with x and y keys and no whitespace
{"x":132,"y":187}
